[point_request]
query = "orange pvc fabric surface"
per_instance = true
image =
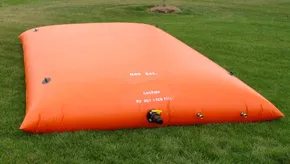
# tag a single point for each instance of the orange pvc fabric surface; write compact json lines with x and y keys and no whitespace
{"x":107,"y":76}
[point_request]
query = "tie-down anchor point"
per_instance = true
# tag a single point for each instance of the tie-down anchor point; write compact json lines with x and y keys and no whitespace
{"x":244,"y":114}
{"x":199,"y":115}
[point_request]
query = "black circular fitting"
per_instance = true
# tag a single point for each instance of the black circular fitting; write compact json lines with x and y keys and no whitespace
{"x":46,"y":80}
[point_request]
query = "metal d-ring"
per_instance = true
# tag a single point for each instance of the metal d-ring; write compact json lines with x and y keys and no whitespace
{"x":244,"y":114}
{"x":199,"y":115}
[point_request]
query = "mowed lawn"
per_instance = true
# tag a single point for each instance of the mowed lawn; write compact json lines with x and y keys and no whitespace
{"x":250,"y":38}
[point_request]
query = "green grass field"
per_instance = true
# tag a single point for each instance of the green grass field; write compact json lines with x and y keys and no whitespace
{"x":250,"y":37}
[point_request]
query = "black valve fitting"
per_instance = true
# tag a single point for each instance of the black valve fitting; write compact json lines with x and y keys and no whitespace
{"x":154,"y":116}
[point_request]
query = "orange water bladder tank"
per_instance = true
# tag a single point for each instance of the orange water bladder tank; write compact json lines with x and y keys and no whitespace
{"x":108,"y":76}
